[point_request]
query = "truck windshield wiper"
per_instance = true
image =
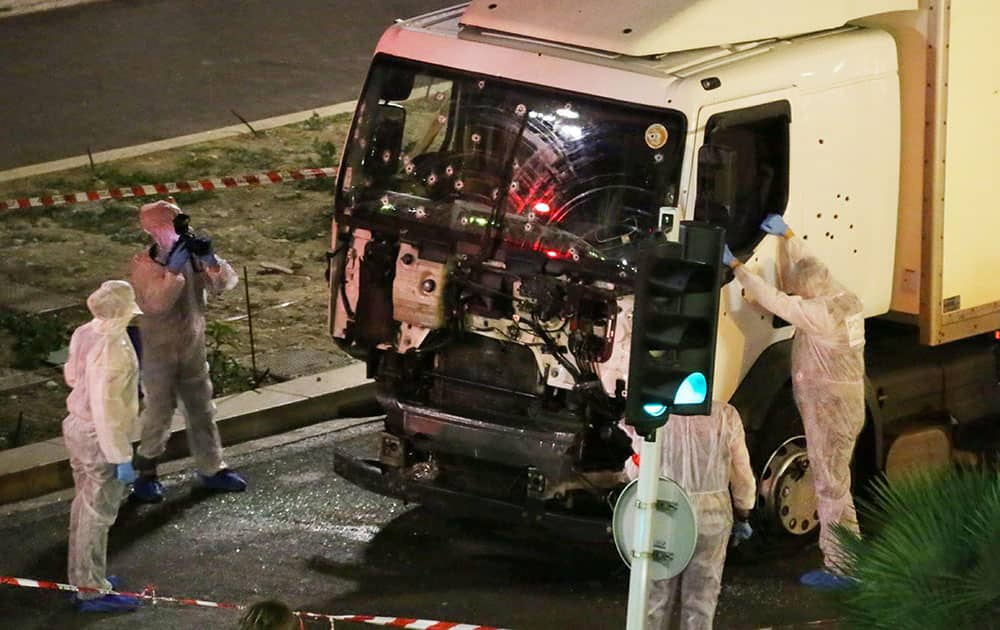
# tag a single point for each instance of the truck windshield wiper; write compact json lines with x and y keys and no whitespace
{"x":496,"y":213}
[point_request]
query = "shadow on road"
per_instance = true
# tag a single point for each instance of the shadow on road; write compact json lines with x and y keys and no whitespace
{"x":136,"y":521}
{"x":417,"y":556}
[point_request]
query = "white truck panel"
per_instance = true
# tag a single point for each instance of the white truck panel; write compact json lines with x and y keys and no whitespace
{"x":843,"y":102}
{"x":971,"y":257}
{"x":910,"y":30}
{"x":442,"y":46}
{"x":654,"y":27}
{"x":840,"y":210}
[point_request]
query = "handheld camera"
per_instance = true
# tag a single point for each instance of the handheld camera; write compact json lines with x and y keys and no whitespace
{"x":197,"y":245}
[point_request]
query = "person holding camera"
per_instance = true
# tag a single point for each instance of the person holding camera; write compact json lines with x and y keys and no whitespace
{"x":171,"y":281}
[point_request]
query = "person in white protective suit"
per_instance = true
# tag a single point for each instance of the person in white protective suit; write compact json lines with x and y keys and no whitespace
{"x":171,"y":281}
{"x":707,"y":456}
{"x":103,"y":404}
{"x":828,"y":371}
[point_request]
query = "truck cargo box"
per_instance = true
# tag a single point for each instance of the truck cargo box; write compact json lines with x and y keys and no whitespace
{"x":947,"y":258}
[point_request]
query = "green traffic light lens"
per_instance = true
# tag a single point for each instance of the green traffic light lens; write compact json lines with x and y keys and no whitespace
{"x":692,"y":391}
{"x":654,"y":409}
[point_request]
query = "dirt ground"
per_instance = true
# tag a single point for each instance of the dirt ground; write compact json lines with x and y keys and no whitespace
{"x":65,"y":253}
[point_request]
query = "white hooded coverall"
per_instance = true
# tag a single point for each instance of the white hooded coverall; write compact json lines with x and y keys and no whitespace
{"x":103,"y":373}
{"x":172,"y":330}
{"x":828,"y":371}
{"x":708,"y":457}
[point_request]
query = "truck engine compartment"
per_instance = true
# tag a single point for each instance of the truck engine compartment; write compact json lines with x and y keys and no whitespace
{"x":502,"y":380}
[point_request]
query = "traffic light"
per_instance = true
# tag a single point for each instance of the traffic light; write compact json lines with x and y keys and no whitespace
{"x":674,"y":324}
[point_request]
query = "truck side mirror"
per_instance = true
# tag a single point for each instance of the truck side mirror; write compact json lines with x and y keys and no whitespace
{"x":397,"y":84}
{"x":387,"y":139}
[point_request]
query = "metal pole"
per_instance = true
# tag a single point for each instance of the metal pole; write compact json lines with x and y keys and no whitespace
{"x":642,"y":556}
{"x":17,"y":431}
{"x":253,"y":353}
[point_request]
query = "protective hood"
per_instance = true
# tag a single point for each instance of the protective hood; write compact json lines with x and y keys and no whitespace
{"x":113,"y":306}
{"x":810,"y":278}
{"x":157,"y":220}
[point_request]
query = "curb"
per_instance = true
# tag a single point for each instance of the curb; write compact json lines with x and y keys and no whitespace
{"x":37,"y":469}
{"x":10,"y":8}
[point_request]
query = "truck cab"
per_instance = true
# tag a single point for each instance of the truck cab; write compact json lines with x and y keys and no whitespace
{"x":500,"y":179}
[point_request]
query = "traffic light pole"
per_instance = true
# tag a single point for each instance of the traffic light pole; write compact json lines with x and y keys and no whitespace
{"x":642,"y":556}
{"x":671,"y":365}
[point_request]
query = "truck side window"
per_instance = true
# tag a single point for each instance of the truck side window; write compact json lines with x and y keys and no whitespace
{"x":743,"y":171}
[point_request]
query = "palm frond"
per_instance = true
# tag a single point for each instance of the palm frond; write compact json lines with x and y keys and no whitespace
{"x":933,"y":558}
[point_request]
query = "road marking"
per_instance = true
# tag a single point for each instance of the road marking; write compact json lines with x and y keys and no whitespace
{"x":178,"y":141}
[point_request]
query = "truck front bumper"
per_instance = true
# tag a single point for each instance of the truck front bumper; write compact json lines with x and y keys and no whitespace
{"x":371,"y":475}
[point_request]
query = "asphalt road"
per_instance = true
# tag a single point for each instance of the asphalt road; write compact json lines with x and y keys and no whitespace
{"x":119,"y":73}
{"x":307,"y":537}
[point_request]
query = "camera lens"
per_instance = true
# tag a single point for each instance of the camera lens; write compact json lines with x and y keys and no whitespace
{"x":182,"y":223}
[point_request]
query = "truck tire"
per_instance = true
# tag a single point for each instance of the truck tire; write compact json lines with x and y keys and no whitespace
{"x":784,"y":518}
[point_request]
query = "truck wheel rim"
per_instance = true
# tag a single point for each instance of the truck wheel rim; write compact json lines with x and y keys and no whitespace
{"x":786,"y":489}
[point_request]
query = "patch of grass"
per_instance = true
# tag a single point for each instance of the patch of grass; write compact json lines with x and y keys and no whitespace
{"x":305,"y":230}
{"x":326,"y":154}
{"x":314,"y":123}
{"x":322,"y":184}
{"x":318,"y":123}
{"x":228,"y":376}
{"x":129,"y":236}
{"x":296,"y":234}
{"x":189,"y":199}
{"x":108,"y":218}
{"x":252,"y":159}
{"x":114,"y":177}
{"x":35,"y":337}
{"x":199,"y":161}
{"x":62,"y":184}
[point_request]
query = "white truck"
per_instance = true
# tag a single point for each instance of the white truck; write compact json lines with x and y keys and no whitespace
{"x":509,"y":158}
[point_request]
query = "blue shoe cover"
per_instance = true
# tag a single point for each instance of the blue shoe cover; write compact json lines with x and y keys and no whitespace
{"x":108,"y":603}
{"x":147,"y":490}
{"x":824,"y":580}
{"x":225,"y":480}
{"x":114,"y":580}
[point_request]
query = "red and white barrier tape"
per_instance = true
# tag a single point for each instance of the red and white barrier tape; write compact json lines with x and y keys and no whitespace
{"x":147,"y":190}
{"x":149,"y":593}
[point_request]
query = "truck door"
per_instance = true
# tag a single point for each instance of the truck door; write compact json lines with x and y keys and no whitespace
{"x":741,"y":174}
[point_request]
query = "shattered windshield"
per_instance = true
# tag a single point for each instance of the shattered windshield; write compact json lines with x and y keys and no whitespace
{"x":466,"y":155}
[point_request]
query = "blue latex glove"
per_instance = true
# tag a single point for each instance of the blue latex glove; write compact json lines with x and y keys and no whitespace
{"x":125,"y":473}
{"x":178,"y":258}
{"x":208,"y":260}
{"x":774,"y":224}
{"x":741,"y":531}
{"x":727,"y":256}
